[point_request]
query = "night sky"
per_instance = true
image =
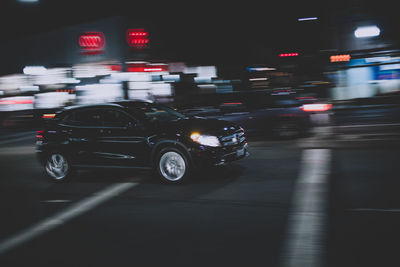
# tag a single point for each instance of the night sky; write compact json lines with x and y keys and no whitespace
{"x":205,"y":29}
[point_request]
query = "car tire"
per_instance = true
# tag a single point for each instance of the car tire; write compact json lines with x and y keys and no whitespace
{"x":58,"y":167}
{"x":172,"y":166}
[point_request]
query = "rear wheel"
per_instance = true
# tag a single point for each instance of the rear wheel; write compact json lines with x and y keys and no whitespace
{"x":57,"y":167}
{"x":172,"y":165}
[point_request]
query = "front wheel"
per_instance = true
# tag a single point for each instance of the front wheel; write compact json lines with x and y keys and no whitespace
{"x":172,"y":165}
{"x":57,"y":167}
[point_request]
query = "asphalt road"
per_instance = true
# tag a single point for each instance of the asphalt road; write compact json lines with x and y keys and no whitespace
{"x":288,"y":204}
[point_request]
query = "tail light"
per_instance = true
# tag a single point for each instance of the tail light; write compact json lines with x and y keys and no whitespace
{"x":48,"y":116}
{"x":316,"y":107}
{"x":39,"y":135}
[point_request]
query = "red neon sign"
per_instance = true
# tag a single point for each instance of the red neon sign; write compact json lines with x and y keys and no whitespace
{"x":289,"y":55}
{"x":137,"y":38}
{"x":92,"y":41}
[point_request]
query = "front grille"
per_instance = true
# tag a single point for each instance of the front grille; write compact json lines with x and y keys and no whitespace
{"x":233,"y":139}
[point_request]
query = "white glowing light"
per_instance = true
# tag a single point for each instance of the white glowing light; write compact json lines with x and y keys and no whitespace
{"x":305,"y":19}
{"x":34,"y":70}
{"x":29,"y":88}
{"x":261,"y":69}
{"x":258,"y":79}
{"x":28,"y":1}
{"x":367,"y":31}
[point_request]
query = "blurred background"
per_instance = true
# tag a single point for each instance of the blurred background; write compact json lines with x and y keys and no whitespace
{"x":329,"y":68}
{"x":59,"y":53}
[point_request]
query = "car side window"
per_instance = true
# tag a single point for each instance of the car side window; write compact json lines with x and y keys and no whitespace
{"x":115,"y":118}
{"x":84,"y":118}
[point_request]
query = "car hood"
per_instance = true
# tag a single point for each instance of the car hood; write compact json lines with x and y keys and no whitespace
{"x":200,"y":125}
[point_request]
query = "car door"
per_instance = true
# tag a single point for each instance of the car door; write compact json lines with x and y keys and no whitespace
{"x":79,"y":130}
{"x":123,"y":140}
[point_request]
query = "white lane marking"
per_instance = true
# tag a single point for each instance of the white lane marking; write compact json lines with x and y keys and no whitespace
{"x":64,"y":216}
{"x":18,"y":150}
{"x":375,"y":210}
{"x":56,"y":201}
{"x":304,"y":242}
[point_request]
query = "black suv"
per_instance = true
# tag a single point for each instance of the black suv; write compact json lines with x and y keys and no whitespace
{"x":136,"y":134}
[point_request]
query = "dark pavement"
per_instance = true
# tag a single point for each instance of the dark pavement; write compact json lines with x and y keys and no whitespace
{"x":237,"y":215}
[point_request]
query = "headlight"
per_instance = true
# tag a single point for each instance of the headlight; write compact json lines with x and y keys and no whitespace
{"x":205,"y":140}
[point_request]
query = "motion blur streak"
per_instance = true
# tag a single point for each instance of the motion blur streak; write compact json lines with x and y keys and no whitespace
{"x":317,"y":107}
{"x":65,"y":216}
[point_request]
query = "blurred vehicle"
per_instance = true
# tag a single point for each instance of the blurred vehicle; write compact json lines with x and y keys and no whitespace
{"x":262,"y":113}
{"x":16,"y":103}
{"x":16,"y":112}
{"x":378,"y":114}
{"x":136,"y":134}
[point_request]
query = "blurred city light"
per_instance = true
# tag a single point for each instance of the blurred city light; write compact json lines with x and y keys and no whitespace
{"x":260,"y":69}
{"x":316,"y":107}
{"x":137,"y":38}
{"x":34,"y":70}
{"x":340,"y":58}
{"x":367,"y":31}
{"x":306,"y":19}
{"x":289,"y":55}
{"x":52,"y":100}
{"x":92,"y":41}
{"x":258,"y":79}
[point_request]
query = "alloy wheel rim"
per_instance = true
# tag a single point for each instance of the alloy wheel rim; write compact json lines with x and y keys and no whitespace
{"x":172,"y":166}
{"x":57,"y":166}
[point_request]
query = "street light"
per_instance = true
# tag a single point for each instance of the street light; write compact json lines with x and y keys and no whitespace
{"x":367,"y":31}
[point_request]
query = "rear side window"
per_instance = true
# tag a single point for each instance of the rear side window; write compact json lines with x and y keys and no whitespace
{"x":85,"y":118}
{"x":115,"y":118}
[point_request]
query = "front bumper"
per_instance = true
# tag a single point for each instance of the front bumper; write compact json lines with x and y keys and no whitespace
{"x":214,"y":156}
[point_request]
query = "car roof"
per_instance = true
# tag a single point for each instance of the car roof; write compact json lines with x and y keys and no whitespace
{"x":120,"y":104}
{"x":103,"y":105}
{"x":132,"y":103}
